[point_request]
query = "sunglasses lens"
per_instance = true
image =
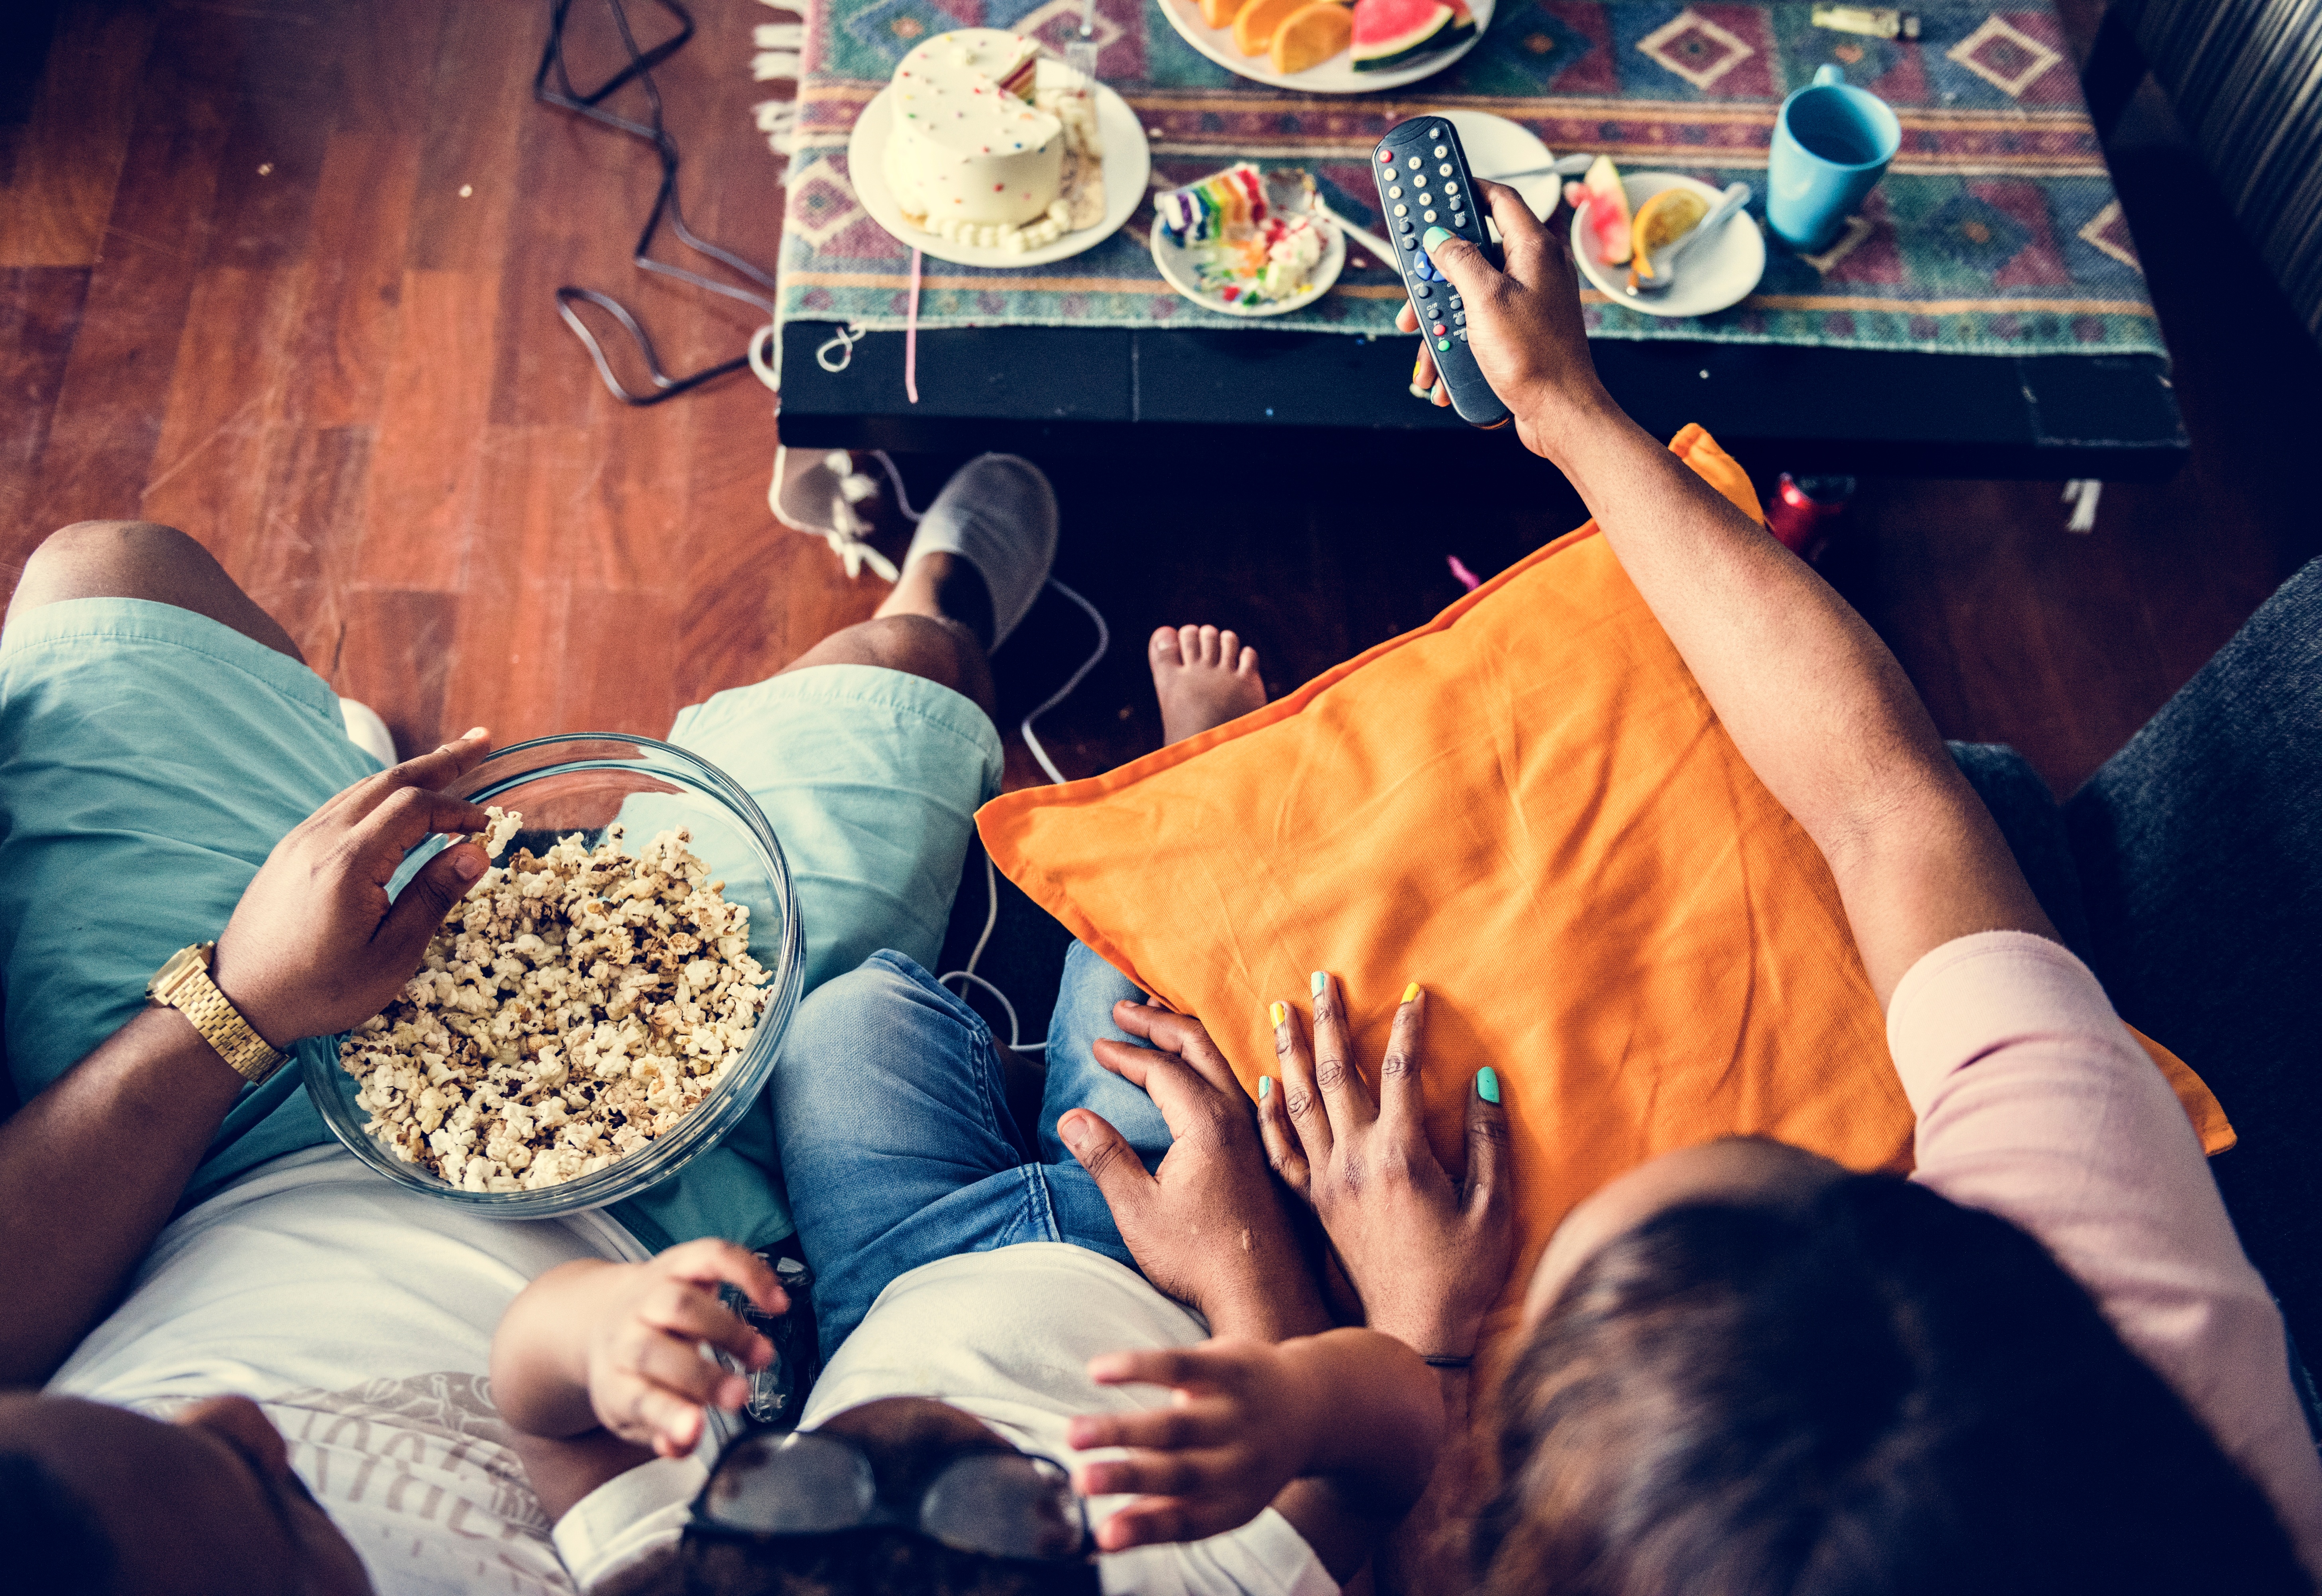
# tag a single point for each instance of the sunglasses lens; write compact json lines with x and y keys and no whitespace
{"x":798,"y":1483}
{"x":1005,"y":1505}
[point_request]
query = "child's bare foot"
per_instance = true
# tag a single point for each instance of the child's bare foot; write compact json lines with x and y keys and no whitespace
{"x":1206,"y":678}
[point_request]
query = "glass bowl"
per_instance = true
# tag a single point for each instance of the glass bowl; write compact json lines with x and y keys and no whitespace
{"x":564,"y":785}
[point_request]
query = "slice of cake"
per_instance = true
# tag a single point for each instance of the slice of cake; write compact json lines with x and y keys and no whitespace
{"x":1207,"y":211}
{"x":968,"y":151}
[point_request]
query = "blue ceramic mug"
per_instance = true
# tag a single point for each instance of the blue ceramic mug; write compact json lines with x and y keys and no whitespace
{"x":1831,"y":145}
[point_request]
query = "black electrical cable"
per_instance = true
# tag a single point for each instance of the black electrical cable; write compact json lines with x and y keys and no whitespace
{"x":654,"y":133}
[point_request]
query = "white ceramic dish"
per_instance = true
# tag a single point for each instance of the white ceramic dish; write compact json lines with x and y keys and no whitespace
{"x":1128,"y":168}
{"x":1177,"y":268}
{"x":1496,"y":144}
{"x":1714,"y":274}
{"x":1335,"y":76}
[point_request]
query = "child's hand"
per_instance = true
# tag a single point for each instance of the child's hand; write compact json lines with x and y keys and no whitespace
{"x":1240,"y":1428}
{"x":648,"y":1378}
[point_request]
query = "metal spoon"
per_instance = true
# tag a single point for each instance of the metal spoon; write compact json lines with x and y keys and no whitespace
{"x":1735,"y":197}
{"x":1563,"y":166}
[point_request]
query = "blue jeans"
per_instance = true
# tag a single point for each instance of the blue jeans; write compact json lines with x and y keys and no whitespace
{"x":890,"y":1114}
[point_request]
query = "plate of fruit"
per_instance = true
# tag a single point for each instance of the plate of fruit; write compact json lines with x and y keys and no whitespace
{"x":1247,"y":243}
{"x":1615,"y":215}
{"x":1328,"y":46}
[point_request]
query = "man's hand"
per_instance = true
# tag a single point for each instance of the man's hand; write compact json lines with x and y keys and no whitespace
{"x":1208,"y":1226}
{"x":1427,"y":1255}
{"x":1524,"y":324}
{"x":314,"y":946}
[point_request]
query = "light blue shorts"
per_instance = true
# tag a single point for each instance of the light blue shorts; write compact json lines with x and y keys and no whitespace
{"x":150,"y":758}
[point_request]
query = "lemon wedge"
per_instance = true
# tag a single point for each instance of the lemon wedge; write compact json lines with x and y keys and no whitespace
{"x":1662,"y":221}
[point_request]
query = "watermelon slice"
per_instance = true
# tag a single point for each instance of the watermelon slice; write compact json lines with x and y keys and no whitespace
{"x":1607,"y":213}
{"x":1390,"y":33}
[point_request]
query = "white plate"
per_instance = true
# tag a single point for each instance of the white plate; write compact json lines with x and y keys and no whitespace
{"x":1712,"y":274}
{"x":1178,"y":269}
{"x":1128,"y":168}
{"x":1496,"y":144}
{"x":1335,"y":76}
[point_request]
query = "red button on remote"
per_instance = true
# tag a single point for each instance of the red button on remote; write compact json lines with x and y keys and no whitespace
{"x":1438,"y":329}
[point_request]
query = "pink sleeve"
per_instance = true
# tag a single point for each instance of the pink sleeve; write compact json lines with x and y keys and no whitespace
{"x":2035,"y":1103}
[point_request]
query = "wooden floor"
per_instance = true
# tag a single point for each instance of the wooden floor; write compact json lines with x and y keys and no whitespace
{"x":280,"y":274}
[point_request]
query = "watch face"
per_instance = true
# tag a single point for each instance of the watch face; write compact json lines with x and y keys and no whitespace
{"x":167,"y":977}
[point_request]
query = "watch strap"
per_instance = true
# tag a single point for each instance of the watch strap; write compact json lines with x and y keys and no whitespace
{"x":193,"y":994}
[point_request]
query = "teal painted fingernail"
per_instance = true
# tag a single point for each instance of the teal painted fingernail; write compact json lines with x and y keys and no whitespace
{"x":1265,"y":1087}
{"x":1432,"y":236}
{"x":1318,"y":982}
{"x":1487,"y":1084}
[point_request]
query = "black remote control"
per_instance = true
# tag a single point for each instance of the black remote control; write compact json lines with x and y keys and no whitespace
{"x":1423,"y":183}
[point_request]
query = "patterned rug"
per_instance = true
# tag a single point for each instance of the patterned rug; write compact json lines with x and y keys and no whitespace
{"x":1996,"y":230}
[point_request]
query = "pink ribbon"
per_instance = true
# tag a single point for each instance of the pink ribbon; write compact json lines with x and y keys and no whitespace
{"x":911,"y":337}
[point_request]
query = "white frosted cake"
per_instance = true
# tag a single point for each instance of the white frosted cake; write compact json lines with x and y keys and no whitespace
{"x":970,"y":156}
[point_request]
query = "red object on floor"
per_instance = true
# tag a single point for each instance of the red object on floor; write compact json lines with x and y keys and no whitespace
{"x":1804,"y":516}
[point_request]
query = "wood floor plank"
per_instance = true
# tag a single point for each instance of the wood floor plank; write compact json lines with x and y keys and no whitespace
{"x":40,"y":315}
{"x":428,"y":463}
{"x":395,"y":653}
{"x":109,"y":411}
{"x":60,"y":186}
{"x":478,"y":103}
{"x":621,"y":657}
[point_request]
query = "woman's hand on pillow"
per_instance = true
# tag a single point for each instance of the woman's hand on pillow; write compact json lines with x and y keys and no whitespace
{"x":1524,"y":324}
{"x":1208,"y":1226}
{"x":1428,"y":1254}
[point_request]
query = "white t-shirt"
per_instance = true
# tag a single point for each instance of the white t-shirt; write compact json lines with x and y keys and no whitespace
{"x":359,"y":1317}
{"x":1005,"y":1335}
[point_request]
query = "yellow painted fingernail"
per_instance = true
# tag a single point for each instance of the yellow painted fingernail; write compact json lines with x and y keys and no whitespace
{"x":1411,"y":991}
{"x":1278,"y":1013}
{"x":1418,"y":365}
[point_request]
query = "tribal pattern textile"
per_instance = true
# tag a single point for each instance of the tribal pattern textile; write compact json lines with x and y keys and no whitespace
{"x":1996,"y":230}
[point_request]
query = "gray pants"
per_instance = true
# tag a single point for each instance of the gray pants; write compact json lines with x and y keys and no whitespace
{"x":2187,"y":873}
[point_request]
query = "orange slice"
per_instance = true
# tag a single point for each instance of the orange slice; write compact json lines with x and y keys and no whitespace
{"x":1254,"y":24}
{"x":1313,"y":34}
{"x":1219,"y":14}
{"x":1662,"y":221}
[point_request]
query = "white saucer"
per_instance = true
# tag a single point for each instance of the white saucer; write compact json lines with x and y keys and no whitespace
{"x":1128,"y":168}
{"x":1496,"y":144}
{"x":1712,"y":274}
{"x":1335,"y":76}
{"x":1178,"y":269}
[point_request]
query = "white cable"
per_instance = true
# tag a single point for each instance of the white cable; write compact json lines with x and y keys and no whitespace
{"x":1103,"y":643}
{"x":991,"y":873}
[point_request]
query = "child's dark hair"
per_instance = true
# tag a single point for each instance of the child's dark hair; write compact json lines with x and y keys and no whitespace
{"x":882,"y":1562}
{"x":1883,"y":1392}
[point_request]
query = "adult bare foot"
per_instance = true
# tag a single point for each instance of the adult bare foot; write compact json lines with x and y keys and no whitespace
{"x":1206,"y":678}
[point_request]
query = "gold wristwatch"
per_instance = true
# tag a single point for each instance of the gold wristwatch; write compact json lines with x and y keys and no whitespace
{"x":184,"y":983}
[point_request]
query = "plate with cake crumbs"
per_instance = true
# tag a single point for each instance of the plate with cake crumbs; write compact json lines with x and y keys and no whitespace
{"x":1004,"y":199}
{"x":1246,"y":243}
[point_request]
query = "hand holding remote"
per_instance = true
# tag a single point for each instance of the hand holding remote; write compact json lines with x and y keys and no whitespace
{"x":1524,"y":323}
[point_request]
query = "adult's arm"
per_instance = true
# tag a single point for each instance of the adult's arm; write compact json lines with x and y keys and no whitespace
{"x":1817,"y":705}
{"x":91,"y":1167}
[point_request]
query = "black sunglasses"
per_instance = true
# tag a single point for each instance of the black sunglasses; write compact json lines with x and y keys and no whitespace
{"x":795,"y":1482}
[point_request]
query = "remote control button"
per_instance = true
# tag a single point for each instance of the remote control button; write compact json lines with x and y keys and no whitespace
{"x":1427,"y":215}
{"x":1407,"y":225}
{"x":1423,"y":291}
{"x":1402,"y":210}
{"x":1386,"y":157}
{"x":1440,"y":150}
{"x":1394,"y":191}
{"x":1445,"y":169}
{"x":1440,"y":329}
{"x":1415,"y":163}
{"x":1451,"y":188}
{"x":1461,"y":335}
{"x":1443,"y":343}
{"x":1458,"y":218}
{"x":1458,"y":319}
{"x":1421,"y":180}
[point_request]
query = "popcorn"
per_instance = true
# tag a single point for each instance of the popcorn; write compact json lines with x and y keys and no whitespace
{"x":570,"y":1010}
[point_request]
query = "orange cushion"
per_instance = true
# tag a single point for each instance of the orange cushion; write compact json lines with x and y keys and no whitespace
{"x":1528,"y":806}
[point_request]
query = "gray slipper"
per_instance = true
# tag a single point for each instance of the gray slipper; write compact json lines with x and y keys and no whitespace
{"x":999,"y":514}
